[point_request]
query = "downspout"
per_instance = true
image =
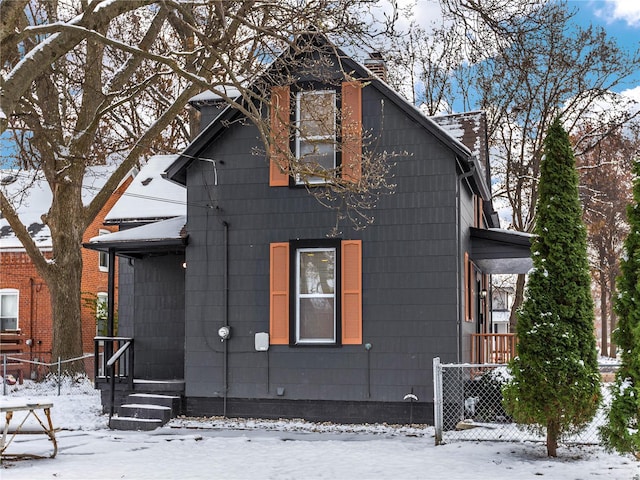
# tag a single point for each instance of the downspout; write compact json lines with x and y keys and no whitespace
{"x":32,"y":299}
{"x":225,"y":288}
{"x":459,"y":265}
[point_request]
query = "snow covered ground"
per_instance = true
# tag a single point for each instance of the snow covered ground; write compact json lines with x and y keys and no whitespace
{"x":214,"y":448}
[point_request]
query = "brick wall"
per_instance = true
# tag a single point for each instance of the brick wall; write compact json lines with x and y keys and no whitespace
{"x":34,"y":309}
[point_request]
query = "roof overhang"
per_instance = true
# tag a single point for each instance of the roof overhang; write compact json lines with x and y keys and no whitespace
{"x":159,"y":238}
{"x":497,"y":251}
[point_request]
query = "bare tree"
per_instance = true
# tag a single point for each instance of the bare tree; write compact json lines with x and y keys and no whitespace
{"x":99,"y":82}
{"x":527,"y":62}
{"x":605,"y":191}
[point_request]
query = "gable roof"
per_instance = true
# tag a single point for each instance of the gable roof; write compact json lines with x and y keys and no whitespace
{"x":177,"y":171}
{"x":150,"y":197}
{"x":470,"y":129}
{"x":33,"y":197}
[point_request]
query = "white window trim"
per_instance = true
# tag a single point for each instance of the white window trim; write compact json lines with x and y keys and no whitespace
{"x":299,"y":295}
{"x":330,"y":138}
{"x":102,"y":299}
{"x":103,"y":266}
{"x":13,"y":292}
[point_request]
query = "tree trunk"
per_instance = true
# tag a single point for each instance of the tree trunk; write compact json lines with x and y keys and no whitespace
{"x":604,"y":310}
{"x":64,"y":273}
{"x":517,"y":302}
{"x":552,"y":438}
{"x":612,"y":315}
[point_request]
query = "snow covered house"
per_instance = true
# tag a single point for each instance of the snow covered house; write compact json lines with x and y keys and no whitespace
{"x":251,"y":309}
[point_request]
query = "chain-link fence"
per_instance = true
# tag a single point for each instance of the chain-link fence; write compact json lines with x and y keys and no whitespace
{"x":468,"y":406}
{"x":39,"y":374}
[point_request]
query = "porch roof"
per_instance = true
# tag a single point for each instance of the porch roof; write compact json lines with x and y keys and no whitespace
{"x":497,"y":251}
{"x":155,"y":238}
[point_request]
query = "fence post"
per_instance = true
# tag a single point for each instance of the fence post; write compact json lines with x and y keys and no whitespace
{"x":437,"y":399}
{"x":59,"y":375}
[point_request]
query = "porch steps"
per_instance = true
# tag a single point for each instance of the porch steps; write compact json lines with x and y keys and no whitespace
{"x":146,"y":411}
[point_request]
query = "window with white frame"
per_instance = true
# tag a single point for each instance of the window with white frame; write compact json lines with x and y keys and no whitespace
{"x":101,"y":313}
{"x":315,"y":295}
{"x":103,"y":257}
{"x":8,"y":309}
{"x":316,"y":132}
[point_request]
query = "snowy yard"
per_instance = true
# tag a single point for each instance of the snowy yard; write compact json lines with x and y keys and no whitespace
{"x":190,"y":448}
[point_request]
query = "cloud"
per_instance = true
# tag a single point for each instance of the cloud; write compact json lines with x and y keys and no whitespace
{"x":625,"y":10}
{"x":633,"y":93}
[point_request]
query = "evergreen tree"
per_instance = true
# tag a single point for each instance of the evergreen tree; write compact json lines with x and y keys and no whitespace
{"x":622,"y":430}
{"x":555,"y":380}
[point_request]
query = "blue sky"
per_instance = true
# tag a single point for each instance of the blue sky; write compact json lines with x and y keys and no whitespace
{"x":621,"y":20}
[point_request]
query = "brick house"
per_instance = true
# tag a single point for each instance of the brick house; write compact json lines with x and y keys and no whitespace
{"x":25,"y":306}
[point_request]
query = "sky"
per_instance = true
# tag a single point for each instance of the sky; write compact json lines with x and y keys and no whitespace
{"x":216,"y":448}
{"x":621,"y":20}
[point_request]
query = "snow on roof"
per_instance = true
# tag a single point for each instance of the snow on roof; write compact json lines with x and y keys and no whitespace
{"x":32,"y":198}
{"x":512,"y":232}
{"x":162,"y":230}
{"x":209,"y":96}
{"x":468,"y":129}
{"x":149,"y":196}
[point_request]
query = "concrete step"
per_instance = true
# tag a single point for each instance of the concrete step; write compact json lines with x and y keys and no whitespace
{"x":145,"y":411}
{"x":172,"y":401}
{"x":158,"y":386}
{"x":132,"y":423}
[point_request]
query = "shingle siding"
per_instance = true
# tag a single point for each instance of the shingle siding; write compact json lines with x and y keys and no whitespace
{"x":410,"y":307}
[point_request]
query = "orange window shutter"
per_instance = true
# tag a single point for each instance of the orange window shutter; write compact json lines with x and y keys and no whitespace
{"x":351,"y":292}
{"x":279,"y":144}
{"x":352,"y":131}
{"x":279,"y":294}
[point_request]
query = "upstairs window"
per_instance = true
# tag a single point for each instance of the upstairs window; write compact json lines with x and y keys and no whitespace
{"x":315,"y":141}
{"x":103,"y":257}
{"x":321,"y":127}
{"x":8,"y":309}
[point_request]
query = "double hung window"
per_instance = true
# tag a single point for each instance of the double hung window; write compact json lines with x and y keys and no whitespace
{"x":316,"y":292}
{"x":321,"y":127}
{"x":316,"y":134}
{"x":8,"y":309}
{"x":315,"y":298}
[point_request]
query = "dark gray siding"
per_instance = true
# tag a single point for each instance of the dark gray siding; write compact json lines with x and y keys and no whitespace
{"x":126,"y":301}
{"x":159,"y":317}
{"x":466,"y":221}
{"x":410,"y":272}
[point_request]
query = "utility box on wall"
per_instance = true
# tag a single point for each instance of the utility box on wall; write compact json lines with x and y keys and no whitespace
{"x":262,"y":341}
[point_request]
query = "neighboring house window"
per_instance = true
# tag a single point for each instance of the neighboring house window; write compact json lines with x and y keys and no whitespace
{"x":8,"y":309}
{"x":101,"y":313}
{"x":320,"y":135}
{"x":103,"y":257}
{"x":316,"y":292}
{"x":316,"y":132}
